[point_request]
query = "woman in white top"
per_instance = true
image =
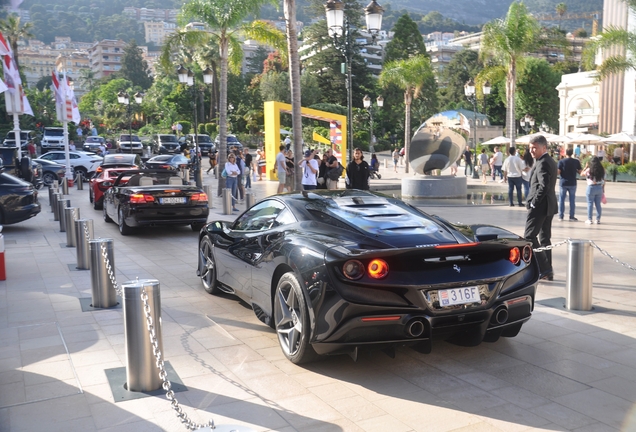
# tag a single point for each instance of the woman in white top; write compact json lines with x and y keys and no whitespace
{"x":232,"y":170}
{"x":310,"y":169}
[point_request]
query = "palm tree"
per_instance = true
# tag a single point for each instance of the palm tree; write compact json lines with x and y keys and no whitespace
{"x":13,"y":31}
{"x":225,"y":20}
{"x":561,"y":9}
{"x":87,"y":79}
{"x":409,"y":75}
{"x":620,"y":46}
{"x":508,"y":41}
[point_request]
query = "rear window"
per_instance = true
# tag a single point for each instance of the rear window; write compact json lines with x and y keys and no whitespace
{"x":162,"y":158}
{"x":113,"y":159}
{"x":92,"y":139}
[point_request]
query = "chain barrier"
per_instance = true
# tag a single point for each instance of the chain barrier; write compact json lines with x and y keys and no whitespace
{"x":550,"y":247}
{"x":87,"y":233}
{"x":613,"y":258}
{"x":163,"y":375}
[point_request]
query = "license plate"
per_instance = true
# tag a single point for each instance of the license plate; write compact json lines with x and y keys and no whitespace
{"x":455,"y":296}
{"x":172,"y":200}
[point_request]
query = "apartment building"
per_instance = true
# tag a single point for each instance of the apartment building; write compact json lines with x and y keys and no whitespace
{"x":105,"y":57}
{"x":145,"y":14}
{"x":157,"y":31}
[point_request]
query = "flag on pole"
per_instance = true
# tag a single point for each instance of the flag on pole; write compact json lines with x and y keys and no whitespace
{"x":12,"y":79}
{"x":65,"y":99}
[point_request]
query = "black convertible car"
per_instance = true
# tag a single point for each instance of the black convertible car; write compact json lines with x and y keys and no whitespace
{"x":335,"y":271}
{"x":18,"y":199}
{"x":154,"y":197}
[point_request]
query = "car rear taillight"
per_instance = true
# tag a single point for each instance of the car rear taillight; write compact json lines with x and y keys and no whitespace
{"x":98,"y":170}
{"x":353,"y":269}
{"x":514,"y":256}
{"x":526,"y":255}
{"x":141,"y":198}
{"x":378,"y":268}
{"x":199,"y":197}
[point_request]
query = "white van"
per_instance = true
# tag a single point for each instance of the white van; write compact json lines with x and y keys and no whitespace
{"x":52,"y":139}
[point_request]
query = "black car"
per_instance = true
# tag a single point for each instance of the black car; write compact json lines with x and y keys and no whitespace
{"x":154,"y":197}
{"x":232,"y":143}
{"x":335,"y":271}
{"x":166,"y":144}
{"x":93,"y":143}
{"x":18,"y":200}
{"x":51,"y":171}
{"x":205,"y":143}
{"x":170,"y":162}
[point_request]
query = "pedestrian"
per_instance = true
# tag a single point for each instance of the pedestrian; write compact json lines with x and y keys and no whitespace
{"x":309,"y":167}
{"x":262,"y":165}
{"x":289,"y":183}
{"x":32,"y":150}
{"x":595,"y":175}
{"x":232,"y":171}
{"x":259,"y":156}
{"x":618,"y":155}
{"x":333,"y":172}
{"x":287,"y":142}
{"x":485,"y":165}
{"x":71,"y":145}
{"x":239,"y":179}
{"x":281,"y":168}
{"x":497,"y":162}
{"x":321,"y":180}
{"x":600,"y":153}
{"x":569,"y":170}
{"x":453,"y":169}
{"x":468,"y":162}
{"x":528,"y":162}
{"x":512,"y":169}
{"x":212,"y":158}
{"x":396,"y":157}
{"x":541,"y":204}
{"x":357,"y":172}
{"x":247,"y":173}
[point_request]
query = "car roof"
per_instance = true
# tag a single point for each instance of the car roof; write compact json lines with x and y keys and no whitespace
{"x":160,"y":158}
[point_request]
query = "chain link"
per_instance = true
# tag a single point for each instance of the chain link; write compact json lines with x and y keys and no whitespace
{"x":613,"y":258}
{"x":87,"y":233}
{"x":109,"y":270}
{"x":550,"y":247}
{"x":167,"y":386}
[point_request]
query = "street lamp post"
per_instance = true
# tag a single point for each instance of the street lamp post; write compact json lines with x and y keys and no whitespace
{"x":369,"y":105}
{"x":124,"y":98}
{"x":340,"y":29}
{"x":471,"y":94}
{"x":527,"y":123}
{"x":186,"y":76}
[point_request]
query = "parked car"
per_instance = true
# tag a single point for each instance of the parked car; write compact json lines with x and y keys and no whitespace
{"x":93,"y":143}
{"x":51,"y":171}
{"x":232,"y":142}
{"x":102,"y":182}
{"x":120,"y":160}
{"x":154,"y":197}
{"x":81,"y":162}
{"x":25,"y":137}
{"x":52,"y":139}
{"x":335,"y":271}
{"x":130,"y":144}
{"x":18,"y":200}
{"x":205,"y":143}
{"x":166,"y":144}
{"x":170,"y":162}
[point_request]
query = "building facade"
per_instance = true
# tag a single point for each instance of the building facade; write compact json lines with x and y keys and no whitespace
{"x":105,"y":57}
{"x":579,"y":96}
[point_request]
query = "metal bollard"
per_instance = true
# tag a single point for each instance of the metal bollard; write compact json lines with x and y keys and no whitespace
{"x":386,"y":163}
{"x":61,"y":206}
{"x":578,"y":280}
{"x":142,"y":374}
{"x":52,"y":191}
{"x":227,"y":201}
{"x":104,"y":295}
{"x":65,"y":186}
{"x":82,"y":227}
{"x":80,"y":181}
{"x":71,"y":214}
{"x":56,"y":197}
{"x":208,"y":190}
{"x":250,"y":198}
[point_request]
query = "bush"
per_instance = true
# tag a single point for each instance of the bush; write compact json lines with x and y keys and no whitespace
{"x":628,"y":168}
{"x":186,"y":126}
{"x":211,"y":129}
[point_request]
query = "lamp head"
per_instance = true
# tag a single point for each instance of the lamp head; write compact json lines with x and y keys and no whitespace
{"x":366,"y":101}
{"x":208,"y":75}
{"x":183,"y":74}
{"x":486,"y":88}
{"x":373,"y":13}
{"x":190,"y":78}
{"x":122,"y":98}
{"x":139,"y":97}
{"x":469,"y":88}
{"x":334,"y":10}
{"x":380,"y":101}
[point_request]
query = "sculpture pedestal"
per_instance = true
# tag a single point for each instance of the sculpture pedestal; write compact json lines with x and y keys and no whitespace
{"x":434,"y":187}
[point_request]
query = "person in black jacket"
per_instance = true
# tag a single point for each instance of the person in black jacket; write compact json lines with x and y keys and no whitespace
{"x":357,"y":172}
{"x":541,"y":203}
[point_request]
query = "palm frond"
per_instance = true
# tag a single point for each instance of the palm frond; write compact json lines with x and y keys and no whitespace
{"x":615,"y":64}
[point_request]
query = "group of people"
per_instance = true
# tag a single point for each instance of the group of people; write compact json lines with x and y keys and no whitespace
{"x":237,"y":173}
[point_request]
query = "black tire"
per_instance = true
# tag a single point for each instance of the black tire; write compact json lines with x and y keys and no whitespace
{"x":80,"y":170}
{"x":291,"y":320}
{"x":123,"y":228}
{"x":196,"y":227}
{"x":49,"y":178}
{"x":90,"y":195}
{"x":207,"y":267}
{"x":107,"y":218}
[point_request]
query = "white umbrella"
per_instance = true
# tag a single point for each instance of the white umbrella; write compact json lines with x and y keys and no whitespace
{"x":548,"y":136}
{"x":497,"y":140}
{"x":583,"y":138}
{"x":621,"y":138}
{"x":285,"y":132}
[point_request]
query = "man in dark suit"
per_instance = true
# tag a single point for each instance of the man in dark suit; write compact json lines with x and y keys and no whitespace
{"x":541,"y":203}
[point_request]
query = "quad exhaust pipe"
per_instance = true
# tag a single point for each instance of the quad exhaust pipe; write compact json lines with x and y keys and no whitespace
{"x":415,"y":328}
{"x":500,"y":315}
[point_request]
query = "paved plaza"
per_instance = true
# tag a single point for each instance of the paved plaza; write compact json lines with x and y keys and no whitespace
{"x":565,"y":371}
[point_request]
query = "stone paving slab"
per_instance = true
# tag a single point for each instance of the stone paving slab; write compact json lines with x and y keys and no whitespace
{"x":566,"y":370}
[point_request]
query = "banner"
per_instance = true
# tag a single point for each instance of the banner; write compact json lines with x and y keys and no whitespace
{"x":18,"y":103}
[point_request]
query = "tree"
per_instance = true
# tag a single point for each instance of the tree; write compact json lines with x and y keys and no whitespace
{"x":407,"y":41}
{"x":410,"y":75}
{"x":508,"y":41}
{"x":13,"y":31}
{"x":620,"y":46}
{"x":134,"y":68}
{"x":536,"y":91}
{"x":224,"y":20}
{"x":87,"y":78}
{"x":561,"y":9}
{"x":464,"y":66}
